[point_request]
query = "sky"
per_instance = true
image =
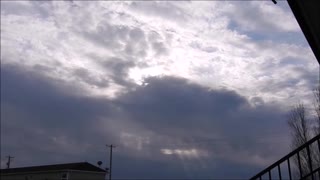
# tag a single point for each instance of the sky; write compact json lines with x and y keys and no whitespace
{"x":183,"y":89}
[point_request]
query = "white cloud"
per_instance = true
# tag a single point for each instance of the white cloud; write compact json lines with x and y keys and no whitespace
{"x":201,"y":41}
{"x":185,"y":153}
{"x":262,"y":17}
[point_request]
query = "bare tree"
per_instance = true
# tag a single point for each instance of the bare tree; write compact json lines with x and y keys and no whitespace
{"x":303,"y":129}
{"x":298,"y":124}
{"x":315,"y":150}
{"x":300,"y":132}
{"x":317,"y":108}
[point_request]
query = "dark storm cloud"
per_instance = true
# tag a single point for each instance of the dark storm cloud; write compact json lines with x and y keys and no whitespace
{"x":30,"y":92}
{"x":191,"y":113}
{"x":178,"y":101}
{"x":46,"y":116}
{"x":166,"y":112}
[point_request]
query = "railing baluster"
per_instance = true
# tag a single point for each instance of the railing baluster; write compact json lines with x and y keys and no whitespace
{"x":279,"y":170}
{"x":310,"y":161}
{"x":289,"y":168}
{"x":270,"y":175}
{"x":299,"y":164}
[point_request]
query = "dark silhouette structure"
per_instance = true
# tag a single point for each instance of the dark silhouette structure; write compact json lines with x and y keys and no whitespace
{"x":307,"y":14}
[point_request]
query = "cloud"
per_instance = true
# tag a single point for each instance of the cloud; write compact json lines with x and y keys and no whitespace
{"x":262,"y":17}
{"x":42,"y":9}
{"x":162,"y":10}
{"x":201,"y":41}
{"x":198,"y":87}
{"x":171,"y":106}
{"x":165,"y":116}
{"x":43,"y":116}
{"x":188,"y":153}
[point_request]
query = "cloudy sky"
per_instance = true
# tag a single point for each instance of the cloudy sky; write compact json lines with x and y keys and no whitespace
{"x":184,"y":89}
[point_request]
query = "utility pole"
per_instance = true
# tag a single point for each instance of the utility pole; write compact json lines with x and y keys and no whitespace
{"x":110,"y":170}
{"x":9,"y":161}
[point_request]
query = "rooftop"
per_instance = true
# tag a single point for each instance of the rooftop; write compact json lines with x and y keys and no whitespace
{"x":81,"y":166}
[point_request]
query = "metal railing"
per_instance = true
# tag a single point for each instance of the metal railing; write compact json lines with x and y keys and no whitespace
{"x":305,"y":157}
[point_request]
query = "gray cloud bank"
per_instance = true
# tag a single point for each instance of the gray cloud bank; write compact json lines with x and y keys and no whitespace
{"x":168,"y":126}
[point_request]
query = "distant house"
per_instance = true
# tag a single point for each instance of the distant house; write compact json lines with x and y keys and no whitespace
{"x":71,"y":171}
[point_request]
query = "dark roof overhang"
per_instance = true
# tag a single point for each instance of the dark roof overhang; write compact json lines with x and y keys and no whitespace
{"x":307,"y":13}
